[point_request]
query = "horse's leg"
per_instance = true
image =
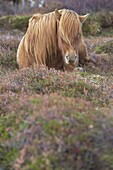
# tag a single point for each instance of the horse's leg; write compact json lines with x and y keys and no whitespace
{"x":83,"y":53}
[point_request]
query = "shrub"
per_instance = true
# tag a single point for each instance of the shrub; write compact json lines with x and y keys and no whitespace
{"x":8,"y":48}
{"x":107,"y":47}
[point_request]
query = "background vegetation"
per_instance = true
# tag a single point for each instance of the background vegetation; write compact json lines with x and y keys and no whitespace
{"x":54,"y":120}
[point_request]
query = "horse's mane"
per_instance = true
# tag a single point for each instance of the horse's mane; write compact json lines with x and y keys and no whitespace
{"x":42,"y":36}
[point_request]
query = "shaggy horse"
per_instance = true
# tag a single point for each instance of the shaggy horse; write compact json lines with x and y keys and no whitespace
{"x":54,"y":40}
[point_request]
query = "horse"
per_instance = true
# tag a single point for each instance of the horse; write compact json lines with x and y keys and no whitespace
{"x":54,"y":40}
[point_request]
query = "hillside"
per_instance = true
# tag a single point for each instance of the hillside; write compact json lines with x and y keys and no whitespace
{"x":54,"y":120}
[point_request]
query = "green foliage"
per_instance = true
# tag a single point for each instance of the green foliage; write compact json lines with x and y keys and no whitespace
{"x":20,"y":22}
{"x":14,"y":22}
{"x":7,"y":154}
{"x":8,"y":48}
{"x":105,"y":18}
{"x":36,"y":101}
{"x":54,"y":84}
{"x":52,"y":127}
{"x":108,"y":157}
{"x":8,"y":61}
{"x":7,"y":157}
{"x":96,"y":23}
{"x":92,"y":26}
{"x":55,"y":130}
{"x":105,"y":48}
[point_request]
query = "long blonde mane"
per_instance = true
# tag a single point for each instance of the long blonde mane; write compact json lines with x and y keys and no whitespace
{"x":69,"y":26}
{"x":42,"y":35}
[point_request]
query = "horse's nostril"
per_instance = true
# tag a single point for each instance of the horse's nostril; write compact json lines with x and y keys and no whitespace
{"x":71,"y":61}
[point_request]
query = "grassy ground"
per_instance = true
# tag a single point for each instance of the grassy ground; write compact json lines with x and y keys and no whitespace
{"x":53,"y":120}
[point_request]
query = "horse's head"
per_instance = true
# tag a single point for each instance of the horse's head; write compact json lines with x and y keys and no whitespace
{"x":69,"y":34}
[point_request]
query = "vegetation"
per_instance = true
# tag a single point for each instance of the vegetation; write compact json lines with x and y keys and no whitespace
{"x":99,"y":23}
{"x":51,"y":119}
{"x":96,"y":24}
{"x":64,"y":115}
{"x":105,"y":48}
{"x":14,"y":22}
{"x":80,"y":6}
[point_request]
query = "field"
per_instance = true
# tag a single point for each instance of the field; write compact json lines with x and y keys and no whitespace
{"x":54,"y":120}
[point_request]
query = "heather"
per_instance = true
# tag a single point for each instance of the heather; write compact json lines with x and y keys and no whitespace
{"x":55,"y":120}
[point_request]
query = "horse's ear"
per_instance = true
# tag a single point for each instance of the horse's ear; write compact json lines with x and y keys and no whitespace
{"x":82,"y":18}
{"x":57,"y":14}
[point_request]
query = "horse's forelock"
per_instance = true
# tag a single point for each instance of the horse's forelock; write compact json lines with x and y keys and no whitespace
{"x":69,"y":26}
